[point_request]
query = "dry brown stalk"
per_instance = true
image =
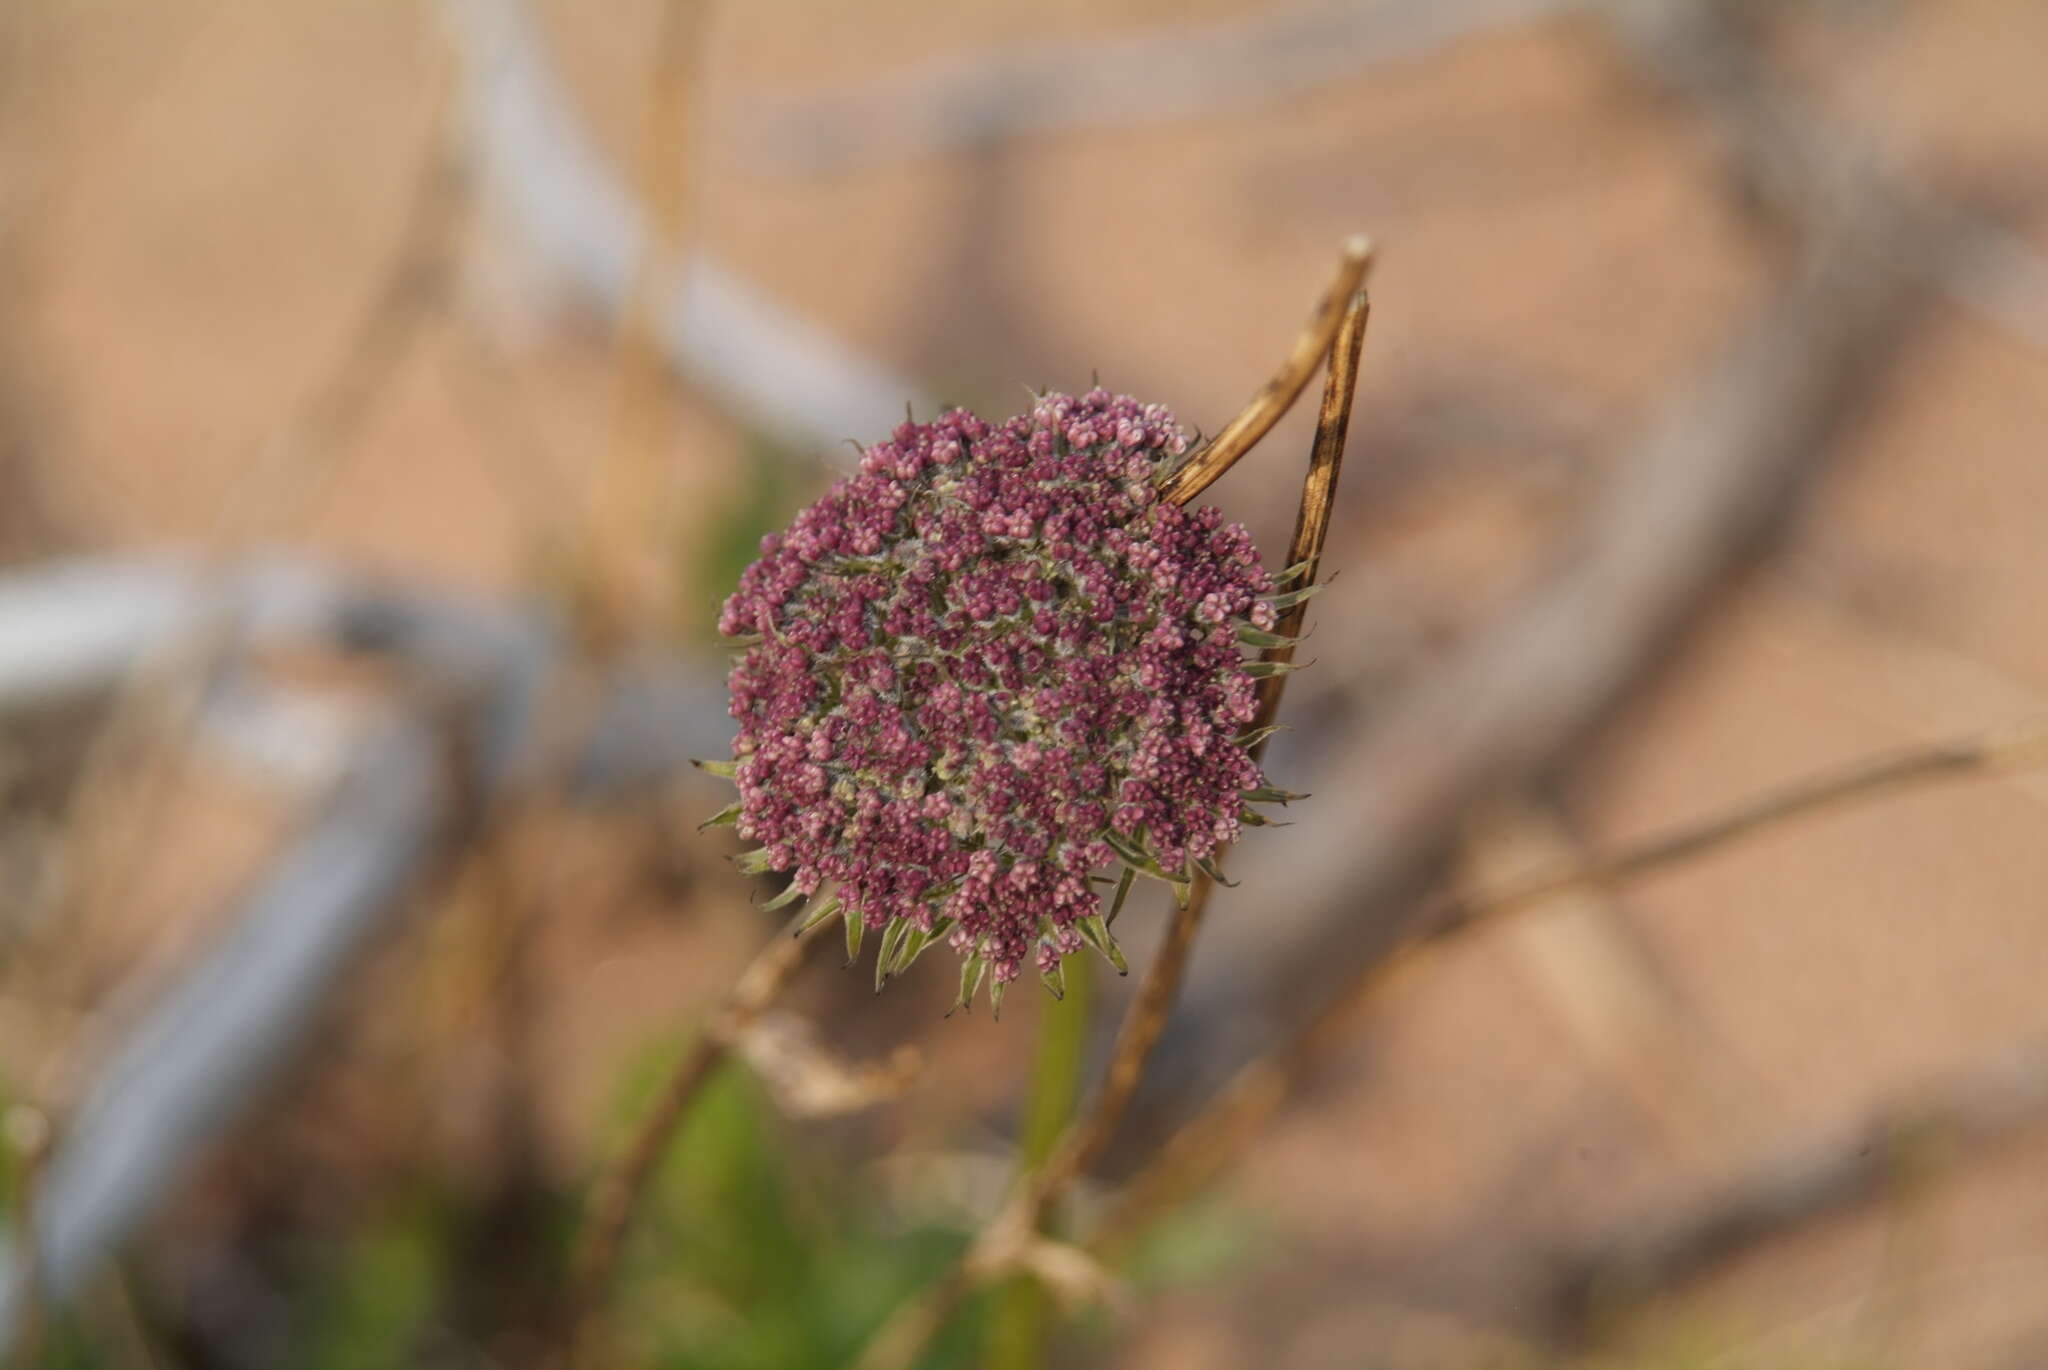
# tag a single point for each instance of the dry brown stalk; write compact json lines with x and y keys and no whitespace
{"x":1147,"y":1018}
{"x":1198,"y":1150}
{"x":1336,"y":330}
{"x":1257,"y":418}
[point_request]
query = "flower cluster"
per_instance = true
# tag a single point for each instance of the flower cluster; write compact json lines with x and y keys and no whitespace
{"x":985,"y":669}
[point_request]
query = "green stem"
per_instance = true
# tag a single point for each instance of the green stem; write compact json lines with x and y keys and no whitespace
{"x":1017,"y":1332}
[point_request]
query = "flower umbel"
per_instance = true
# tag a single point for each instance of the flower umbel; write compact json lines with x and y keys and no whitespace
{"x":987,"y":670}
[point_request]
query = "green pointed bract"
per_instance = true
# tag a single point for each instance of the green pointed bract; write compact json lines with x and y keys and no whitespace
{"x":892,"y":937}
{"x":753,"y":862}
{"x":907,"y":947}
{"x":728,"y":769}
{"x":1294,"y":572}
{"x":724,"y":818}
{"x":744,"y":641}
{"x":996,"y":991}
{"x":1252,"y":818}
{"x":1283,"y":602}
{"x":972,"y":970}
{"x":784,"y":899}
{"x":1259,"y":670}
{"x":1268,"y":794}
{"x":913,"y":945}
{"x":1137,"y":858}
{"x":1259,"y":637}
{"x":855,"y":925}
{"x":1123,"y":892}
{"x":1258,"y":735}
{"x":1214,"y":872}
{"x":1125,"y":849}
{"x":917,"y":941}
{"x":1097,"y":933}
{"x":819,"y":913}
{"x":1056,"y":979}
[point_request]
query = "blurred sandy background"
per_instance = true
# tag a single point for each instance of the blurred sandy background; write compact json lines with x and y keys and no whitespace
{"x":274,"y":286}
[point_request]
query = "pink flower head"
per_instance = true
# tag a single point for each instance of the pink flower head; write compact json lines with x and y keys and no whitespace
{"x":989,"y":668}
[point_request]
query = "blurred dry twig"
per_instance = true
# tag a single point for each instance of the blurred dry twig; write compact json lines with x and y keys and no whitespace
{"x":778,"y":371}
{"x":193,"y":1061}
{"x":1594,"y":972}
{"x":1713,"y":475}
{"x":1198,"y":1149}
{"x":808,"y":1079}
{"x":73,"y":628}
{"x":1123,"y":80}
{"x":616,"y":1194}
{"x":131,"y":760}
{"x":1718,"y":471}
{"x":1997,"y":275}
{"x":1973,"y":1109}
{"x":1171,"y":76}
{"x":1784,"y":159}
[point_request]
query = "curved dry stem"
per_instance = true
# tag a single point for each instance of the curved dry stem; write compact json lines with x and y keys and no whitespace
{"x":1147,"y":1017}
{"x":1256,"y":419}
{"x":1221,"y":1130}
{"x":616,"y":1195}
{"x":1319,"y":489}
{"x":903,"y":1337}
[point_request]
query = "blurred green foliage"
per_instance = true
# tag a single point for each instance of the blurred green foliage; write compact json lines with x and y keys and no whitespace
{"x":382,"y":1294}
{"x":759,"y":1253}
{"x":760,"y":1246}
{"x":1203,"y":1239}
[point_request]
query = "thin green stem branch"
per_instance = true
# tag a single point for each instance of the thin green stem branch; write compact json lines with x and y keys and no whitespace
{"x":1018,"y":1335}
